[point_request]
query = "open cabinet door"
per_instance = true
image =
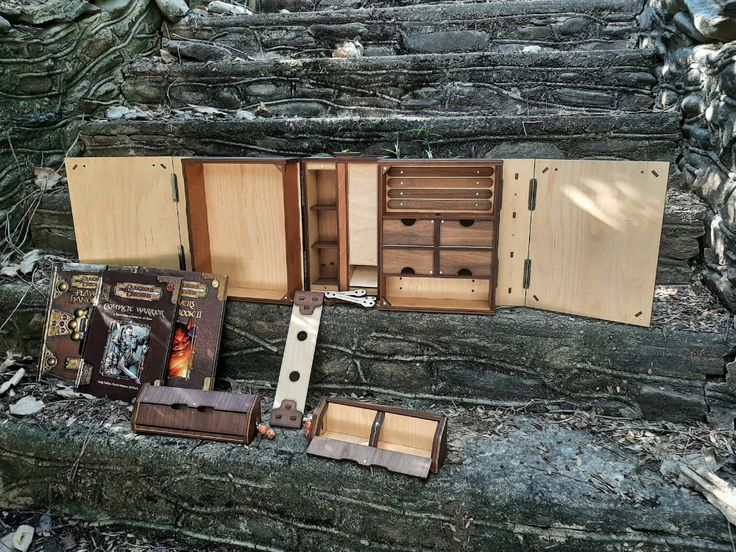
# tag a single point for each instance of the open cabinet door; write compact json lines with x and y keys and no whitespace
{"x":594,"y":239}
{"x":127,"y":212}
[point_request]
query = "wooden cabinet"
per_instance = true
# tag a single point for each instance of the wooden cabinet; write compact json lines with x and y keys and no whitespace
{"x":574,"y":236}
{"x":439,"y":234}
{"x":341,"y":217}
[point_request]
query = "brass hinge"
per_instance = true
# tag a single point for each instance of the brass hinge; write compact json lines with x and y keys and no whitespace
{"x":174,"y":189}
{"x":532,"y":194}
{"x":527,"y":273}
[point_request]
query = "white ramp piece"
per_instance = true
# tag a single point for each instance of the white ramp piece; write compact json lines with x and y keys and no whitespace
{"x":296,"y":365}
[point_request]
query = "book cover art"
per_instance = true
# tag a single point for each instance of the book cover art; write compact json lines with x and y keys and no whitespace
{"x":198,"y":329}
{"x":129,"y":335}
{"x":72,"y":293}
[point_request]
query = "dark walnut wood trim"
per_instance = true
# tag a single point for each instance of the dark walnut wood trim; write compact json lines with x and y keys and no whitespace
{"x":198,"y":226}
{"x":292,"y":227}
{"x":342,"y":226}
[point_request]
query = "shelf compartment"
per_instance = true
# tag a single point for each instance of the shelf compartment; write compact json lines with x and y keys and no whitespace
{"x":324,"y":245}
{"x":362,"y":276}
{"x":438,"y":294}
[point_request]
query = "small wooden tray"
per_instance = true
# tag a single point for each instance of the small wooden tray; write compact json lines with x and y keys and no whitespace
{"x":403,"y":441}
{"x":211,"y":415}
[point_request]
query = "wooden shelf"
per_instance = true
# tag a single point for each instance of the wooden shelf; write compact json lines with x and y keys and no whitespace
{"x":325,"y":281}
{"x":324,"y":245}
{"x":323,"y":208}
{"x":437,"y":305}
{"x":364,"y":276}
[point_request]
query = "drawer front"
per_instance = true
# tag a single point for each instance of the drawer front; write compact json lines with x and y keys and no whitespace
{"x":408,"y":232}
{"x":466,"y":232}
{"x":466,"y":262}
{"x":408,"y":261}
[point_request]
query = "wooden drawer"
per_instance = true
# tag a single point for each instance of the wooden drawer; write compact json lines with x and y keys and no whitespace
{"x":408,"y":261}
{"x":466,"y":232}
{"x":466,"y":262}
{"x":408,"y":232}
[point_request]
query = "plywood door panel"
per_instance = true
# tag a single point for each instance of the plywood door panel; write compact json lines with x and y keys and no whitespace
{"x":245,"y":220}
{"x":513,"y":238}
{"x":595,"y":238}
{"x":363,"y":214}
{"x":124,"y":211}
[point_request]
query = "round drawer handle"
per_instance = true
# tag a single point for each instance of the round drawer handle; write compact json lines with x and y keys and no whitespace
{"x":407,"y":270}
{"x":467,"y":223}
{"x":408,"y":222}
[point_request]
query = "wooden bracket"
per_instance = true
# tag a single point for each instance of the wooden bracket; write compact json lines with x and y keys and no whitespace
{"x":296,"y":366}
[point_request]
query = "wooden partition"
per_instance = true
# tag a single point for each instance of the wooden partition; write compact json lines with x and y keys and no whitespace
{"x":244,"y":221}
{"x":127,"y":211}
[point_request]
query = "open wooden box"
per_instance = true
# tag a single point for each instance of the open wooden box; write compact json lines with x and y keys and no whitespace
{"x":244,"y":221}
{"x":403,"y":441}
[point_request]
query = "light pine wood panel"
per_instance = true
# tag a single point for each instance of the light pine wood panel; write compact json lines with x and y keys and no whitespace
{"x":124,"y":212}
{"x":407,"y":434}
{"x":595,"y":238}
{"x":513,"y":236}
{"x":342,"y":420}
{"x":452,"y":294}
{"x":298,"y":357}
{"x":363,"y":214}
{"x":245,"y":215}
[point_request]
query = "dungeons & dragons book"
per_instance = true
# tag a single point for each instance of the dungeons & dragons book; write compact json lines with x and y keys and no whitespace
{"x":129,"y":334}
{"x":198,"y":328}
{"x":71,"y":296}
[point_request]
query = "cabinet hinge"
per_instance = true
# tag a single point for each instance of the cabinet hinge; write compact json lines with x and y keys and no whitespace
{"x":174,"y":189}
{"x":182,"y":259}
{"x":532,"y":194}
{"x":527,"y":273}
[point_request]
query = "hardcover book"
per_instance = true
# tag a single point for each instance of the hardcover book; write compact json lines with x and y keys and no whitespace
{"x":193,"y":358}
{"x":129,"y":334}
{"x":71,"y":296}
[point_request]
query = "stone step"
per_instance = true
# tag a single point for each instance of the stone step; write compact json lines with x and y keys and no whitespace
{"x":430,"y":28}
{"x":480,"y":83}
{"x":512,"y":483}
{"x":513,"y":357}
{"x":639,"y":136}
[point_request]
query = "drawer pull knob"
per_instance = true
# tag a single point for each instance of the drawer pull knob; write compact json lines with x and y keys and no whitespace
{"x":464,"y":272}
{"x":408,"y":222}
{"x":407,"y":270}
{"x":467,"y":223}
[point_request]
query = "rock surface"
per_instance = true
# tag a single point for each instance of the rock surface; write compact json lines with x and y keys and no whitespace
{"x":388,"y":27}
{"x":463,"y":84}
{"x":512,"y":482}
{"x":699,"y":79}
{"x":513,"y":357}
